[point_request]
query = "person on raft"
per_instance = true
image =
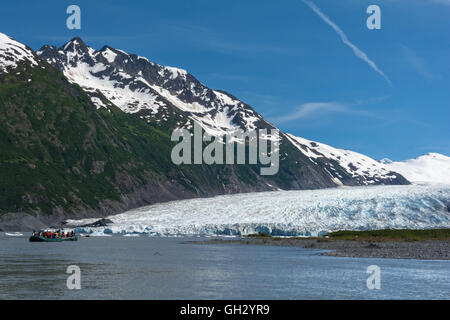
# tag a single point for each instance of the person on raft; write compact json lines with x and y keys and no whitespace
{"x":54,"y":235}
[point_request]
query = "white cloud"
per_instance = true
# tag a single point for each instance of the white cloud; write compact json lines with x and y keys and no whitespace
{"x":358,"y":53}
{"x":418,"y":64}
{"x":322,"y":109}
{"x":445,"y":2}
{"x":308,"y":109}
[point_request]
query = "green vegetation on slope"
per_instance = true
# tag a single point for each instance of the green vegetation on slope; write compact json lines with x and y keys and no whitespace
{"x":59,"y":151}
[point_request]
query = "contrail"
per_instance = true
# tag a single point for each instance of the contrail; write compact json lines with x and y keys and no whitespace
{"x":360,"y":54}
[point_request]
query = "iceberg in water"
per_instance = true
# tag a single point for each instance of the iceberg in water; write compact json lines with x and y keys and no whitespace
{"x":290,"y":213}
{"x":13,"y":234}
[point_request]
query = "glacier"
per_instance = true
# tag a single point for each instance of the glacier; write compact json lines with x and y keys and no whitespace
{"x":288,"y":213}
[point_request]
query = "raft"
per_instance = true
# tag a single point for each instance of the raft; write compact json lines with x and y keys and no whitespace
{"x":42,"y":239}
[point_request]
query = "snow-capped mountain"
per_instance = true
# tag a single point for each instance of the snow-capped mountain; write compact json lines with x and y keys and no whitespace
{"x":431,"y":168}
{"x":139,"y":86}
{"x":363,"y":168}
{"x":160,"y":94}
{"x":13,"y":53}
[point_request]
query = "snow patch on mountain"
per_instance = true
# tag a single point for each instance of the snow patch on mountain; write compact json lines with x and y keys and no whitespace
{"x":173,"y":73}
{"x":128,"y":100}
{"x":109,"y":55}
{"x":431,"y":168}
{"x":356,"y":164}
{"x":290,"y":213}
{"x":135,"y":84}
{"x":12,"y":52}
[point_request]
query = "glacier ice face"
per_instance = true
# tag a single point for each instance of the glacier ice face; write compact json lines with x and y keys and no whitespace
{"x":290,"y":213}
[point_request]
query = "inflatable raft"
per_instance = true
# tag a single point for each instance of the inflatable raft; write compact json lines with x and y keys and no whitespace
{"x":43,"y":239}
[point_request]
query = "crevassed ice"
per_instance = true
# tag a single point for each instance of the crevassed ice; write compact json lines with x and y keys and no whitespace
{"x":290,"y":213}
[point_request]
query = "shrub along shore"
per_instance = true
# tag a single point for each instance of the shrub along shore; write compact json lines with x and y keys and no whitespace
{"x":397,"y":244}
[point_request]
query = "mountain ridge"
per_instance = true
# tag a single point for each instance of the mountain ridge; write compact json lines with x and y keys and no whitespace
{"x":215,"y":110}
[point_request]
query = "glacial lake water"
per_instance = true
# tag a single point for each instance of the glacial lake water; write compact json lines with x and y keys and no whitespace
{"x":120,"y":267}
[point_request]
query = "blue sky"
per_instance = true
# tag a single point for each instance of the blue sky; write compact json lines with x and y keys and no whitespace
{"x":285,"y":60}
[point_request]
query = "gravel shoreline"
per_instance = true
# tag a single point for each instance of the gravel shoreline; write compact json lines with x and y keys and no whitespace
{"x":423,"y":250}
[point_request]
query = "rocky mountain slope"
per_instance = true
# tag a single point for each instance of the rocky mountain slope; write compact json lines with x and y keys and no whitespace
{"x":160,"y":95}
